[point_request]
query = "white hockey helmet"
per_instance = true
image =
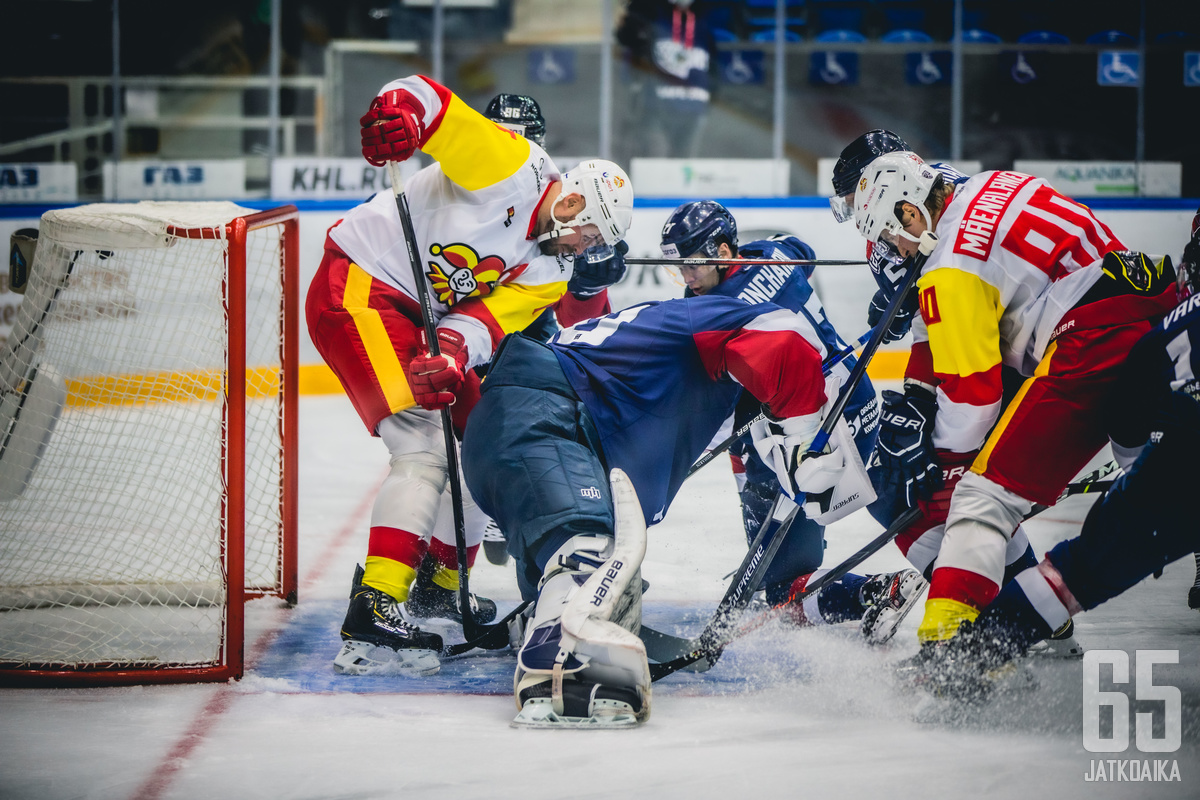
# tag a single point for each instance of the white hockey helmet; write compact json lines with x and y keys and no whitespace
{"x":891,"y":178}
{"x":608,"y":195}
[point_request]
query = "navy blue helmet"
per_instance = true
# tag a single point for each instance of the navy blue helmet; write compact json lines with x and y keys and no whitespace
{"x":698,"y":227}
{"x":520,"y":113}
{"x":858,"y":154}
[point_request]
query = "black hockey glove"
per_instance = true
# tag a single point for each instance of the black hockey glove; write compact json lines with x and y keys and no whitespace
{"x":900,"y":323}
{"x":597,"y":269}
{"x":905,"y":450}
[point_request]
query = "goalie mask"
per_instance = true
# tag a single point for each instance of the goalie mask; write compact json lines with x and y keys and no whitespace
{"x":851,"y":163}
{"x":900,"y":177}
{"x":608,"y":201}
{"x":519,"y":113}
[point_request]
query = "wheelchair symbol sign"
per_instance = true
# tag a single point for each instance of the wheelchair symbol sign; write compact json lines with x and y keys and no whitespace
{"x":1191,"y":69}
{"x":1118,"y":68}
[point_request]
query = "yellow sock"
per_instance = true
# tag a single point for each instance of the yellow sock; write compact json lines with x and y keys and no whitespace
{"x":386,"y":575}
{"x":942,"y":618}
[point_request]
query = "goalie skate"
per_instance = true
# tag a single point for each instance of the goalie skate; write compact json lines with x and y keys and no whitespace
{"x":582,"y":664}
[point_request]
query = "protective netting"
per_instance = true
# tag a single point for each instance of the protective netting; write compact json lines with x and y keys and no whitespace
{"x":113,"y":495}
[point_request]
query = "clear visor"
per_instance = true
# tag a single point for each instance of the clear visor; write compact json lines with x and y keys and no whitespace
{"x":842,"y":208}
{"x":893,"y":235}
{"x":598,"y":253}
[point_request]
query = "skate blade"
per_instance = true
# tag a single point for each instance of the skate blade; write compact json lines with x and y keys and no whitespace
{"x":1064,"y":649}
{"x":363,"y":658}
{"x":538,"y":712}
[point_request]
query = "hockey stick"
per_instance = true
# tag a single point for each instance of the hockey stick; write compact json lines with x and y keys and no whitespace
{"x":829,"y":364}
{"x":924,"y":248}
{"x":667,"y":647}
{"x":711,"y":641}
{"x":494,"y":637}
{"x":751,"y":262}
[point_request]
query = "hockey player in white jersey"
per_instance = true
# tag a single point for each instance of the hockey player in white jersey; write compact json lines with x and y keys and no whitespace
{"x":498,"y":226}
{"x":587,"y":291}
{"x":1021,"y":276}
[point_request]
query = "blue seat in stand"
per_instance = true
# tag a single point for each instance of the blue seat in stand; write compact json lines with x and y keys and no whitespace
{"x":980,"y":36}
{"x":768,"y":35}
{"x":905,"y":36}
{"x":1043,"y":37}
{"x":1111,"y":37}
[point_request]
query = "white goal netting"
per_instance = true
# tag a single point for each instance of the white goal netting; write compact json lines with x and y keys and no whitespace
{"x":119,"y":416}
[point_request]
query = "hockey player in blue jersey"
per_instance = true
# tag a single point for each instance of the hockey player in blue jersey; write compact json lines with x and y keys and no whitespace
{"x":1144,"y":522}
{"x":639,"y":394}
{"x":888,"y":265}
{"x":707,"y":230}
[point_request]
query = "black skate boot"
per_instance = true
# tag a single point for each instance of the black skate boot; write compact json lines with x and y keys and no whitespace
{"x":378,"y":639}
{"x":889,"y":598}
{"x":968,"y":668}
{"x":1194,"y":592}
{"x":426,"y":599}
{"x":494,"y":545}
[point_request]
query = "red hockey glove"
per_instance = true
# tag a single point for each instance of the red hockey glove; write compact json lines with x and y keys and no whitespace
{"x":954,"y":466}
{"x":435,"y":380}
{"x":391,"y":128}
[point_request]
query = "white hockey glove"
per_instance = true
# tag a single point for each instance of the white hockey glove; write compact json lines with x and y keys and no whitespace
{"x":783,"y":443}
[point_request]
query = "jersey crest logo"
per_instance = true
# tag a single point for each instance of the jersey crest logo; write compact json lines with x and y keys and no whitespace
{"x":929,"y":306}
{"x":465,"y":274}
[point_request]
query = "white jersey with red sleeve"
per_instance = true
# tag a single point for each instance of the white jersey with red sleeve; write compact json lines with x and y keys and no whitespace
{"x":473,"y":213}
{"x":1013,"y":257}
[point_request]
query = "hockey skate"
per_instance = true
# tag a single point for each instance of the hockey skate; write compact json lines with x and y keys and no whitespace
{"x":967,"y":668}
{"x":495,"y":547}
{"x":377,"y":638}
{"x":1061,"y":644}
{"x":426,"y":599}
{"x":889,"y":599}
{"x":582,"y":664}
{"x":1194,"y":592}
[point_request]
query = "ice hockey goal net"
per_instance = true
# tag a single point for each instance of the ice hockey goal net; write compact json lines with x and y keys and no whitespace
{"x":147,"y":439}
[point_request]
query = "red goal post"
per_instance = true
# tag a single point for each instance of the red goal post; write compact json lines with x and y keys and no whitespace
{"x":145,"y":492}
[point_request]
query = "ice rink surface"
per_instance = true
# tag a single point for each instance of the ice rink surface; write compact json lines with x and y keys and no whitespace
{"x":785,"y":713}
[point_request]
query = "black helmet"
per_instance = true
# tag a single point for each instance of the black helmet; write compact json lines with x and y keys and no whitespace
{"x":698,"y":227}
{"x":858,"y":154}
{"x":520,"y":113}
{"x":1189,"y":265}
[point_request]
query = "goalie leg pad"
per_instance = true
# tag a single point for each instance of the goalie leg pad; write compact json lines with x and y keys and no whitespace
{"x":582,"y":641}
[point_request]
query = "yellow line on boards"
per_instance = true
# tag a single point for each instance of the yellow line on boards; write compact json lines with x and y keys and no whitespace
{"x":887,"y":365}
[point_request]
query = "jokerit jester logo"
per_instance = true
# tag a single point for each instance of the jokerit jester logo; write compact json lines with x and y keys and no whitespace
{"x":1157,"y":731}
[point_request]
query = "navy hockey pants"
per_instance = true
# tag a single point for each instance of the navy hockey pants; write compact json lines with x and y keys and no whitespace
{"x":1144,"y":522}
{"x":532,"y":458}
